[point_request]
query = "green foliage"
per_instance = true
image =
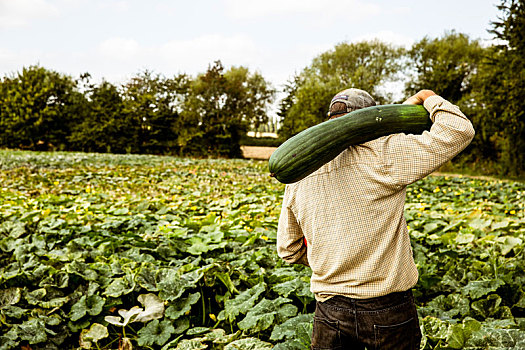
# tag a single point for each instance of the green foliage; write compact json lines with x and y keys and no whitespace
{"x":261,"y":141}
{"x":267,"y":313}
{"x":38,"y":108}
{"x":204,"y":116}
{"x":151,"y":109}
{"x":446,"y":65}
{"x":242,"y":303}
{"x":220,"y":107}
{"x":155,"y":332}
{"x":106,"y":126}
{"x":499,"y":110}
{"x":363,"y":65}
{"x":96,"y":248}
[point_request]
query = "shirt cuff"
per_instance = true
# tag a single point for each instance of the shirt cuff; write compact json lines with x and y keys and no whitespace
{"x":433,"y":101}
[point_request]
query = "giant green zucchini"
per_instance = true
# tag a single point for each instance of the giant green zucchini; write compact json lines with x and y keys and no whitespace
{"x":307,"y":151}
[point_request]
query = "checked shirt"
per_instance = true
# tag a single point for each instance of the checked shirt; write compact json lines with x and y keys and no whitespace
{"x":351,"y":210}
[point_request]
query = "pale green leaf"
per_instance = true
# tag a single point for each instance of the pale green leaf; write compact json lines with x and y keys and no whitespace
{"x":127,"y":316}
{"x":94,"y":333}
{"x":507,"y":243}
{"x":153,"y":308}
{"x":33,"y":331}
{"x":191,"y":344}
{"x":119,"y":286}
{"x":10,"y":296}
{"x":248,"y":344}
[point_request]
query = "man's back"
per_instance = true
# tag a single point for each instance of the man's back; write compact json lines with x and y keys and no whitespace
{"x":351,"y":214}
{"x":351,"y":210}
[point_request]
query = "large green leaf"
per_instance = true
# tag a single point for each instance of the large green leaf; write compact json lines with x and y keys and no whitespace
{"x":266,"y":313}
{"x":155,"y":332}
{"x":491,"y":307}
{"x":181,"y":306}
{"x":434,"y":328}
{"x":477,"y":289}
{"x":293,"y":328}
{"x":9,"y":339}
{"x":296,"y":287}
{"x":242,"y":303}
{"x":491,"y":338}
{"x":191,"y":344}
{"x":172,"y":283}
{"x":33,"y":331}
{"x":91,"y":305}
{"x":446,"y":307}
{"x":459,"y":334}
{"x":508,"y":243}
{"x":119,"y":286}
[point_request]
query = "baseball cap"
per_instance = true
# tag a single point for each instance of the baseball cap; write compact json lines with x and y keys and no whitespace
{"x":353,"y":99}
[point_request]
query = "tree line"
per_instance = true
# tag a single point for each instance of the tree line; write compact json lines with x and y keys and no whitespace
{"x":209,"y":114}
{"x":183,"y":115}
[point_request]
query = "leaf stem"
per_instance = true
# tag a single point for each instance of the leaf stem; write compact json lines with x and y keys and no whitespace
{"x":203,"y":308}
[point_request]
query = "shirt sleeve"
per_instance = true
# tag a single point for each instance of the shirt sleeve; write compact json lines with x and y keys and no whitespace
{"x":412,"y":157}
{"x":290,"y":243}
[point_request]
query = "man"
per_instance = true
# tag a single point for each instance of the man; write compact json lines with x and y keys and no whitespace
{"x":346,"y":222}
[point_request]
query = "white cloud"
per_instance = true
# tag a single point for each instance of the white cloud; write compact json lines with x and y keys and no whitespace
{"x":119,"y":48}
{"x":121,"y":57}
{"x":197,"y":53}
{"x":12,"y":61}
{"x":388,"y":37}
{"x":248,"y":9}
{"x":19,"y":13}
{"x":115,"y":5}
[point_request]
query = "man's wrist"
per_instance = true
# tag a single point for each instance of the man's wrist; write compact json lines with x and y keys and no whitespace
{"x":424,"y":94}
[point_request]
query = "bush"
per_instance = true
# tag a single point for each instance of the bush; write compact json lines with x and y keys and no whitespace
{"x":261,"y":141}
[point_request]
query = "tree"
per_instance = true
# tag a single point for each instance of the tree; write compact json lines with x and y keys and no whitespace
{"x":152,"y":107}
{"x":445,"y":65}
{"x":220,"y":107}
{"x":38,"y":108}
{"x":288,"y":125}
{"x":105,"y":127}
{"x":500,"y":93}
{"x":364,"y":65}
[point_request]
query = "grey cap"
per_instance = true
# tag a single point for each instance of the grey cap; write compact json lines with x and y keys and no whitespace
{"x":353,"y":99}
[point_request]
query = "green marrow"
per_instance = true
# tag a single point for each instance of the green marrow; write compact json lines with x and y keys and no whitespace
{"x":304,"y":153}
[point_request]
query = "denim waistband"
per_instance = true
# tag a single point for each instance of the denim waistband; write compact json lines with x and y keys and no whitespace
{"x":388,"y":300}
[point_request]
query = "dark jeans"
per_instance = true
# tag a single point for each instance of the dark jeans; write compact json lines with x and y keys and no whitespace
{"x":386,"y":322}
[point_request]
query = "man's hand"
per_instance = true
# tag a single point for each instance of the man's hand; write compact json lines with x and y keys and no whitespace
{"x":419,"y":98}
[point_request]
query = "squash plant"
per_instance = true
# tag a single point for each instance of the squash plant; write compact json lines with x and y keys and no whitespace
{"x":102,"y":251}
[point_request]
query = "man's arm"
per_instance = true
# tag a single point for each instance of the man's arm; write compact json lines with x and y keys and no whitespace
{"x":290,"y":238}
{"x":412,"y":157}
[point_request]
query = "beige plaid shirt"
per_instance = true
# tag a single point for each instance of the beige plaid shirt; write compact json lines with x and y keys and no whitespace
{"x":351,"y":210}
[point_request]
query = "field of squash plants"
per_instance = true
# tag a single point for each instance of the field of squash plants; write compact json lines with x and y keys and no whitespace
{"x":148,"y":252}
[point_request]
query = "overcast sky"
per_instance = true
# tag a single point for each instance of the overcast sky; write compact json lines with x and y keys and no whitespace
{"x":115,"y":39}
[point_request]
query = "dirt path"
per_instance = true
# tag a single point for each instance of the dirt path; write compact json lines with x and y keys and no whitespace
{"x":257,"y":152}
